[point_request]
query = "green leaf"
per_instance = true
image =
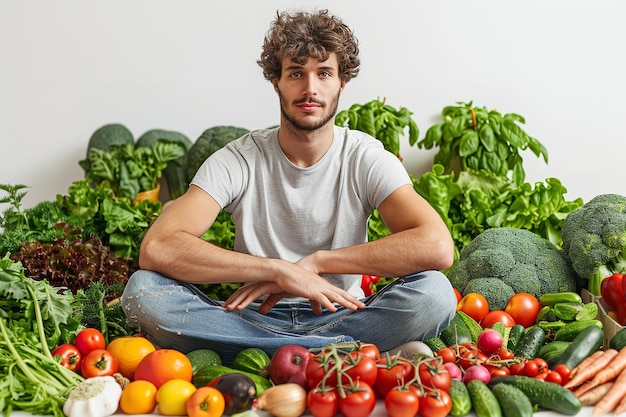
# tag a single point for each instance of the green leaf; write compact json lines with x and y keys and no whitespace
{"x":487,"y":137}
{"x":468,"y":144}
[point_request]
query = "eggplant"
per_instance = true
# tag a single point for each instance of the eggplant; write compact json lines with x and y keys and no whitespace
{"x":239,"y":392}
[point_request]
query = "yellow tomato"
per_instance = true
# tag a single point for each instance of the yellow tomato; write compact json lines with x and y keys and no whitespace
{"x":129,"y":351}
{"x":139,"y":397}
{"x":172,"y":397}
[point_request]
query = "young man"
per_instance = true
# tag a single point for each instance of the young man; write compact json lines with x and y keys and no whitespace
{"x":300,"y":196}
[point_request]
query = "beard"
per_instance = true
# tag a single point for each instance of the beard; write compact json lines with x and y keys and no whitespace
{"x":307,"y":123}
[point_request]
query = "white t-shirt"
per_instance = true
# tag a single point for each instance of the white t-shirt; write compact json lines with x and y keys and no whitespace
{"x":286,"y":212}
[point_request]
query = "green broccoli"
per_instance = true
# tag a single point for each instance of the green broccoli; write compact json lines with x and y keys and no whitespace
{"x":502,"y":261}
{"x":594,"y":239}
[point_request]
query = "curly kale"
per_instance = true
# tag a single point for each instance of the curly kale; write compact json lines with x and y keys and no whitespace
{"x":502,"y":261}
{"x":594,"y":239}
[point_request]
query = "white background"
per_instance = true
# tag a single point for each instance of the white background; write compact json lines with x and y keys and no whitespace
{"x":69,"y":67}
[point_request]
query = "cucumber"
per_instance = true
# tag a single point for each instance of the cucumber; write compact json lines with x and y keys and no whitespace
{"x":461,"y":401}
{"x":253,"y":360}
{"x":472,"y":325}
{"x":208,"y":373}
{"x":456,"y":332}
{"x":584,"y":344}
{"x":571,"y":330}
{"x":512,"y":400}
{"x":568,"y":310}
{"x":483,"y":400}
{"x":435,"y":344}
{"x":551,"y":299}
{"x":552,"y":350}
{"x":515,"y":336}
{"x":546,"y":395}
{"x":532,"y":341}
{"x":618,"y":341}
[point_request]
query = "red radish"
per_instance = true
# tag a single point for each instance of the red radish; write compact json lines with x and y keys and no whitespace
{"x":489,"y":341}
{"x":477,"y":372}
{"x":454,"y":370}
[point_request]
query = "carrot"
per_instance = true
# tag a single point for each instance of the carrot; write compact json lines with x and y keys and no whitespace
{"x":614,"y":396}
{"x":594,"y":395}
{"x":621,"y":407}
{"x":586,"y":362}
{"x":592,"y":369}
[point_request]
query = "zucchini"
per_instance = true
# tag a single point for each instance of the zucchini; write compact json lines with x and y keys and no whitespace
{"x":618,"y":341}
{"x":571,"y":330}
{"x":253,"y":360}
{"x":461,"y":401}
{"x":546,"y":395}
{"x":584,"y":344}
{"x":551,"y":299}
{"x":209,"y":373}
{"x":532,"y":341}
{"x":456,"y":332}
{"x":483,"y":400}
{"x":512,"y":400}
{"x":515,"y":336}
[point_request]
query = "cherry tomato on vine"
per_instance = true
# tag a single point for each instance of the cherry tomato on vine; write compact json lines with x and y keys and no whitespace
{"x":392,"y":371}
{"x":370,"y":350}
{"x":402,"y":401}
{"x":89,"y":339}
{"x":505,"y":354}
{"x":359,"y":400}
{"x":99,"y":362}
{"x":435,"y":404}
{"x":447,"y":354}
{"x":317,"y":367}
{"x":434,"y":374}
{"x":564,"y":371}
{"x":70,"y":356}
{"x":323,"y":403}
{"x":359,"y":367}
{"x":553,"y":376}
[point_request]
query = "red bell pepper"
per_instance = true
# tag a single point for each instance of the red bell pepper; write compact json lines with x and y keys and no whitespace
{"x":613,"y":290}
{"x":368,"y":284}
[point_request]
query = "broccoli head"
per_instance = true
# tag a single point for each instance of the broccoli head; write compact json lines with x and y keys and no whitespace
{"x":594,"y":239}
{"x":502,"y":261}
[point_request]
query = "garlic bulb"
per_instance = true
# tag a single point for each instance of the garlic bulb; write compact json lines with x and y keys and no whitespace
{"x":284,"y":400}
{"x":94,"y":397}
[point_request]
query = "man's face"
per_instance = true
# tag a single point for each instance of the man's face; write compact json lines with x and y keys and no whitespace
{"x":309,"y":93}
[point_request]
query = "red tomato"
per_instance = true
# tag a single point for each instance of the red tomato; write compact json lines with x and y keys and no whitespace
{"x":474,"y":305}
{"x":89,"y":339}
{"x":564,"y":371}
{"x":523,"y":308}
{"x":433,"y":374}
{"x":370,"y":350}
{"x":517,"y":368}
{"x":359,"y":367}
{"x":505,"y":354}
{"x":99,"y":362}
{"x":435,"y":404}
{"x":447,"y":354}
{"x":458,"y":295}
{"x":553,"y":376}
{"x":322,"y":403}
{"x":497,"y":316}
{"x":359,"y":400}
{"x":70,"y":356}
{"x":392,"y":371}
{"x":318,"y":367}
{"x":402,"y":401}
{"x":467,"y":354}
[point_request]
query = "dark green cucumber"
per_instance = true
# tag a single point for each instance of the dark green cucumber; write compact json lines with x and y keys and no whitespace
{"x":551,"y":299}
{"x":532,"y":341}
{"x":512,"y":400}
{"x":553,"y":350}
{"x":435,"y":344}
{"x":208,"y":373}
{"x":515,"y":336}
{"x":589,"y":340}
{"x":546,"y":395}
{"x":571,"y":330}
{"x":484,"y":401}
{"x":461,"y":401}
{"x":618,"y":341}
{"x":456,"y":332}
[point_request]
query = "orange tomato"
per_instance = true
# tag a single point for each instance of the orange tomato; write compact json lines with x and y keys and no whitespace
{"x":129,"y":351}
{"x":139,"y":397}
{"x":163,"y":365}
{"x":524,"y":308}
{"x":172,"y":397}
{"x":474,"y":305}
{"x":206,"y":402}
{"x":497,"y":316}
{"x":458,"y":295}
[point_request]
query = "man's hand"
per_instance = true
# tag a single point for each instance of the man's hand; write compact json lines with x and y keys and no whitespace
{"x":316,"y":289}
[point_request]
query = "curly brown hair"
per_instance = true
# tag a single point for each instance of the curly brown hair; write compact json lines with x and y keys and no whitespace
{"x":306,"y":35}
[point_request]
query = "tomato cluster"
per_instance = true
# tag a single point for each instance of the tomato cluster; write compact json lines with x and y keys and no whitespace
{"x":351,"y":382}
{"x":87,"y":354}
{"x":538,"y":368}
{"x":522,"y":308}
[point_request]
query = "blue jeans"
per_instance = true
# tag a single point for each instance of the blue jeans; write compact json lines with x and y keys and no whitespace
{"x":179,"y":316}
